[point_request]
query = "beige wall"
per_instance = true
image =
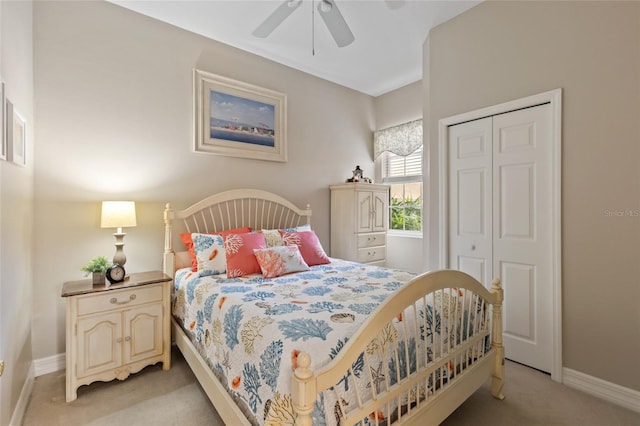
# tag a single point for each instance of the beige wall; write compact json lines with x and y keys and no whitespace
{"x":396,"y":107}
{"x":113,"y":103}
{"x":500,"y":51}
{"x":16,"y":214}
{"x":399,"y":106}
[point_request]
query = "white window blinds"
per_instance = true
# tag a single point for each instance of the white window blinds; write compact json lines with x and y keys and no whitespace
{"x":396,"y":166}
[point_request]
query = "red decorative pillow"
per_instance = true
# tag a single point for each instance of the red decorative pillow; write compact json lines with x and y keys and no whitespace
{"x":187,"y":240}
{"x":309,"y":245}
{"x":239,"y":251}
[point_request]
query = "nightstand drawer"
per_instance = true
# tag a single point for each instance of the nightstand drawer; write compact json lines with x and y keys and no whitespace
{"x":372,"y":240}
{"x":367,"y":255}
{"x":119,"y":299}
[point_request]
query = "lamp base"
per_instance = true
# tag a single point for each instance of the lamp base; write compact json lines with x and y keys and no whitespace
{"x":119,"y":257}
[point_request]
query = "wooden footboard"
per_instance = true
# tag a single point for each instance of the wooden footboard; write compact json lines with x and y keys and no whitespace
{"x":407,"y":373}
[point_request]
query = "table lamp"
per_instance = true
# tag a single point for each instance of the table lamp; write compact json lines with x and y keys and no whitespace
{"x":118,"y":214}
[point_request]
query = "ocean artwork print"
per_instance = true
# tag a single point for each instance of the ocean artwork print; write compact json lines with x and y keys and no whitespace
{"x":236,"y":119}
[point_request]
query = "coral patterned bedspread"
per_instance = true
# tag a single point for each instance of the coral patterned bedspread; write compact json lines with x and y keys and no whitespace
{"x":251,"y":329}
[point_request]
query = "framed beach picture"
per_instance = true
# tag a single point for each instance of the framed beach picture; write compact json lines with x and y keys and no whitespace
{"x":16,"y":137}
{"x":237,"y":119}
{"x":3,"y":121}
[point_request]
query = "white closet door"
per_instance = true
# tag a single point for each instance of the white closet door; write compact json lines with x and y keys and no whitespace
{"x":522,"y":232}
{"x":470,"y":207}
{"x":500,"y":221}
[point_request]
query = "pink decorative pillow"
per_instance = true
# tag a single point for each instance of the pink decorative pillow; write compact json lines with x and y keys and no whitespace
{"x":187,"y":240}
{"x":239,"y":251}
{"x":280,"y":260}
{"x":309,"y":245}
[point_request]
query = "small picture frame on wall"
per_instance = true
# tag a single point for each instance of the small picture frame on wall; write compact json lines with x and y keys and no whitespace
{"x":3,"y":121}
{"x":16,"y":136}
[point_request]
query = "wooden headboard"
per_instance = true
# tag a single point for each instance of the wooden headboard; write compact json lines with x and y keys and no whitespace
{"x":228,"y":210}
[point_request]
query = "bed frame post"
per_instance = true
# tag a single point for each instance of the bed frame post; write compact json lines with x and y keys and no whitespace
{"x":303,"y":391}
{"x":496,"y":341}
{"x":168,"y":264}
{"x":309,"y":215}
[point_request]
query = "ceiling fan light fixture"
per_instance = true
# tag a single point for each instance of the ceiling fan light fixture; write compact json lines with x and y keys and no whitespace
{"x":325,"y":6}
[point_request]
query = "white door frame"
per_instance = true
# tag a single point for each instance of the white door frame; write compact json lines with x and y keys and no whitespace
{"x":554,"y":98}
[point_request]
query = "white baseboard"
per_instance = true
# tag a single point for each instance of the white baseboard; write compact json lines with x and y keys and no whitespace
{"x":21,"y":407}
{"x":50,"y":364}
{"x":602,"y":389}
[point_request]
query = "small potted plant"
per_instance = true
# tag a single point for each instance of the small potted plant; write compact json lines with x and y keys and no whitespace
{"x":97,"y":267}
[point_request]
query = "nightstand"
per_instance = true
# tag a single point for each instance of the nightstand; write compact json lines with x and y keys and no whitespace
{"x":117,"y":330}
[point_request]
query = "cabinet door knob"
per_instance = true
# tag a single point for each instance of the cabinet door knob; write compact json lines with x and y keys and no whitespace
{"x":128,"y":338}
{"x":119,"y":340}
{"x":114,"y":300}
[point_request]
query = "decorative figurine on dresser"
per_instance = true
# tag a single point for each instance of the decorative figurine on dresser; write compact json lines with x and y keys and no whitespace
{"x":117,"y":328}
{"x":359,"y":220}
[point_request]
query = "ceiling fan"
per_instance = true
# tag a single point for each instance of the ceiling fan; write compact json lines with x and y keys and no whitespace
{"x":327,"y":9}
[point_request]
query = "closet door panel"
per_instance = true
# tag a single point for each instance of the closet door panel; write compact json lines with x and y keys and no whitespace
{"x":522,"y":232}
{"x":470,"y":209}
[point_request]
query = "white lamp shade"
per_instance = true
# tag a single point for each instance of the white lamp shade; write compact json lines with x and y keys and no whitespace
{"x":118,"y":214}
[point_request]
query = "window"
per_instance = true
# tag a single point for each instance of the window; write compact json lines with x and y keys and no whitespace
{"x":404,"y":175}
{"x":400,"y":148}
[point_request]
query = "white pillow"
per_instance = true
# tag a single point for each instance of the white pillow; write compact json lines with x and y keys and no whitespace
{"x":274,"y":238}
{"x":210,"y":254}
{"x":280,"y":260}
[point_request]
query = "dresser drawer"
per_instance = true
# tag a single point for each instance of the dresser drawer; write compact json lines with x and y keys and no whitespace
{"x":367,"y":255}
{"x":372,"y":240}
{"x":116,"y":299}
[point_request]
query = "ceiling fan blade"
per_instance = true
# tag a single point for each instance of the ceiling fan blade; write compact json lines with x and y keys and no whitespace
{"x":335,"y":23}
{"x":280,"y":14}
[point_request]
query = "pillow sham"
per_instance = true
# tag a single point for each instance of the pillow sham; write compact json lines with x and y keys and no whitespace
{"x":309,"y":245}
{"x":239,"y":253}
{"x":280,"y":260}
{"x":273,"y":237}
{"x":209,"y":252}
{"x":187,"y":240}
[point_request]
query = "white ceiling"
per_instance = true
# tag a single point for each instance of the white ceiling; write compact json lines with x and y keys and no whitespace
{"x":386,"y":54}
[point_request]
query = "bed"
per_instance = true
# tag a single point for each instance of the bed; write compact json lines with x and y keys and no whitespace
{"x":308,"y":339}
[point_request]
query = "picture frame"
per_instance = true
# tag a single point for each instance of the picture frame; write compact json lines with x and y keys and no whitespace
{"x":237,"y":119}
{"x":3,"y":121}
{"x":16,"y":136}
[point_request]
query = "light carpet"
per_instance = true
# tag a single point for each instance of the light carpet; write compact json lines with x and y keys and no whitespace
{"x":167,"y":398}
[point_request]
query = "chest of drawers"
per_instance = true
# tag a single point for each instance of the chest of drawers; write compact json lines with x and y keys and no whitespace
{"x":359,"y":222}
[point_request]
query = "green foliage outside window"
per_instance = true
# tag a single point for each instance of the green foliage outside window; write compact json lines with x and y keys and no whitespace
{"x":406,"y":215}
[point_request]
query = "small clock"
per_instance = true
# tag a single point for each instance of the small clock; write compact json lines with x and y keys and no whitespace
{"x":115,"y":273}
